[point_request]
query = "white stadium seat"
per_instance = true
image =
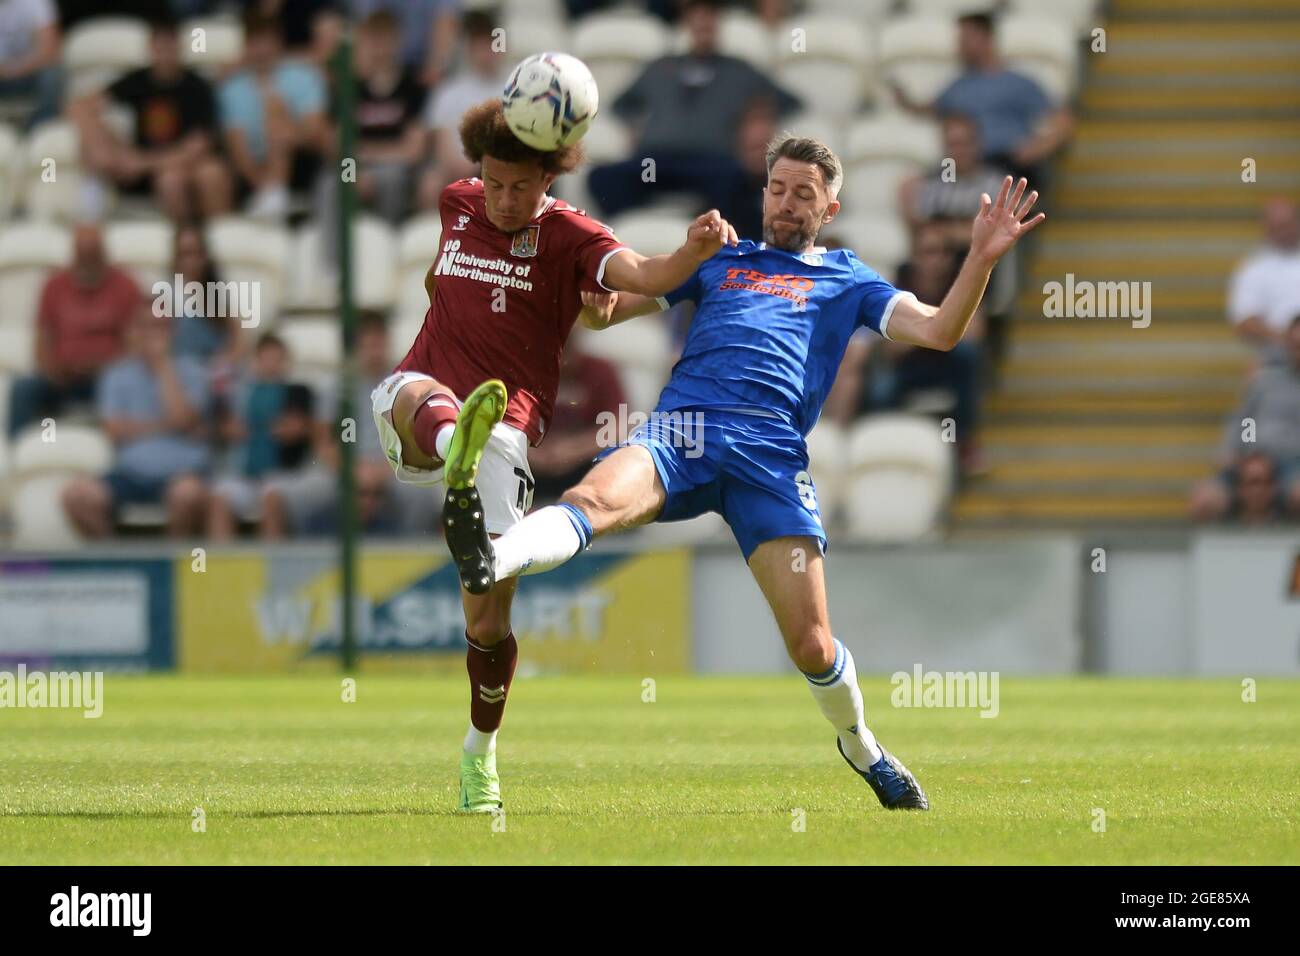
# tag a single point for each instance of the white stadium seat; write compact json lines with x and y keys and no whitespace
{"x":881,"y":241}
{"x":616,"y":46}
{"x":651,"y":233}
{"x":143,"y":248}
{"x":56,"y":194}
{"x":374,"y":267}
{"x":17,"y":348}
{"x":899,"y":478}
{"x":828,"y":465}
{"x":882,"y":151}
{"x":949,"y":8}
{"x":608,"y":141}
{"x":1042,"y":49}
{"x":830,"y":64}
{"x":223,"y":42}
{"x":642,"y":350}
{"x":529,"y":34}
{"x":71,"y":449}
{"x":1080,"y":16}
{"x":417,"y":248}
{"x":97,"y":51}
{"x":39,"y":521}
{"x":248,"y":250}
{"x":830,"y":130}
{"x":315,"y":342}
{"x":919,"y":53}
{"x":870,"y":11}
{"x":402,"y":330}
{"x":29,"y":251}
{"x":541,"y":9}
{"x":10,"y":151}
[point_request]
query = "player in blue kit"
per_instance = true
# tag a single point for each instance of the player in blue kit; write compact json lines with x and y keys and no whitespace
{"x":771,"y":325}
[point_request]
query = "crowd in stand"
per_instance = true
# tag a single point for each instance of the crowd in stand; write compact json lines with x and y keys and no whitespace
{"x":1259,"y":478}
{"x":204,"y":415}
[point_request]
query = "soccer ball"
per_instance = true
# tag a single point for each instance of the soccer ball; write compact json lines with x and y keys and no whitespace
{"x":550,"y":100}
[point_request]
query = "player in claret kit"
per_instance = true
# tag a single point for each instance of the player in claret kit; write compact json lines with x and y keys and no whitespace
{"x":478,"y":385}
{"x":771,"y":324}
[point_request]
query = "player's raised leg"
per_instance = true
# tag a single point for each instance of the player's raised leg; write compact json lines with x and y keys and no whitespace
{"x":622,"y":491}
{"x":790,"y":573}
{"x":463,"y":516}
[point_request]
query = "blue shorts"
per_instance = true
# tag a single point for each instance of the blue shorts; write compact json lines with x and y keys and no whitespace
{"x":750,"y":469}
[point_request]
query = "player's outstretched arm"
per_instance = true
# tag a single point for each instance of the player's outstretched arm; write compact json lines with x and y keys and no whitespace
{"x":600,"y":310}
{"x":629,"y":271}
{"x":997,"y":226}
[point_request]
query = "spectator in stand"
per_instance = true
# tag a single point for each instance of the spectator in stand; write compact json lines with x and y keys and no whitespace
{"x":215,"y":340}
{"x":688,"y":110}
{"x":902,"y":370}
{"x":309,"y":30}
{"x":1266,"y":426}
{"x":1264,"y":292}
{"x":29,"y":56}
{"x":270,"y":430}
{"x":174,"y":157}
{"x":306,"y":502}
{"x":273,"y":114}
{"x":589,"y":389}
{"x":81,"y":325}
{"x":154,"y":408}
{"x":1019,"y":127}
{"x":429,"y":30}
{"x":390,"y":141}
{"x":481,"y":78}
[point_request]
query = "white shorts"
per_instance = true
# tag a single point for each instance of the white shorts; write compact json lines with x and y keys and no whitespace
{"x":505,"y":482}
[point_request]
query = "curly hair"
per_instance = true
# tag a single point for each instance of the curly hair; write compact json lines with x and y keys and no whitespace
{"x":484,"y":132}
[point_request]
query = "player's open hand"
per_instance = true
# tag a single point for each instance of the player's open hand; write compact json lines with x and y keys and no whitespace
{"x":597,"y":308}
{"x":1000,"y":222}
{"x":708,"y":234}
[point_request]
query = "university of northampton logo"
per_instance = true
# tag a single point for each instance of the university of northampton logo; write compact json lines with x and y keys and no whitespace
{"x":525,"y":242}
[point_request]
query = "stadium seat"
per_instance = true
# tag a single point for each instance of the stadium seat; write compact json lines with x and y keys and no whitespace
{"x":608,"y":141}
{"x":742,"y":35}
{"x":314,"y":282}
{"x":10,"y":150}
{"x":97,"y":51}
{"x":552,"y":10}
{"x":143,"y":248}
{"x":828,"y":464}
{"x":74,"y":449}
{"x":315,"y":343}
{"x":883,"y":150}
{"x":527,"y":34}
{"x":651,"y":233}
{"x":1080,"y":16}
{"x":417,"y":248}
{"x":919,"y":53}
{"x":899,"y":478}
{"x":223,"y":41}
{"x":17,"y":349}
{"x":881,"y":241}
{"x":29,"y":251}
{"x":402,"y":330}
{"x":39,"y":521}
{"x":60,"y":197}
{"x":951,"y":9}
{"x":832,"y":70}
{"x":247,"y":250}
{"x":616,"y":46}
{"x":1042,"y":49}
{"x":830,"y":130}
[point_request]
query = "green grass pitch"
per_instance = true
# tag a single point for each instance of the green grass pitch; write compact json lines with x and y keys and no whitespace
{"x":710,"y":772}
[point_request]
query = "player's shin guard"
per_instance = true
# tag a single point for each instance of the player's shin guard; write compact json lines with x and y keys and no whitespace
{"x":544,"y":540}
{"x":837,"y":694}
{"x":491,"y":669}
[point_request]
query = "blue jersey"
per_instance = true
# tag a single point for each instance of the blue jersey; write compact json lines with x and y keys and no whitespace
{"x":771,"y":327}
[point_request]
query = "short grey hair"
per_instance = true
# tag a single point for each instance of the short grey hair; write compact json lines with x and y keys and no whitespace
{"x":804,"y":149}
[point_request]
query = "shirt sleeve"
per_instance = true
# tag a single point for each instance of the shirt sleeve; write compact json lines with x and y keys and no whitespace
{"x":596,"y":243}
{"x":877,"y":302}
{"x":1244,"y":294}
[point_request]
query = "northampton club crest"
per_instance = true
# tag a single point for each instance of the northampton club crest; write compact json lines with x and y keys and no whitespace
{"x":525,"y":243}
